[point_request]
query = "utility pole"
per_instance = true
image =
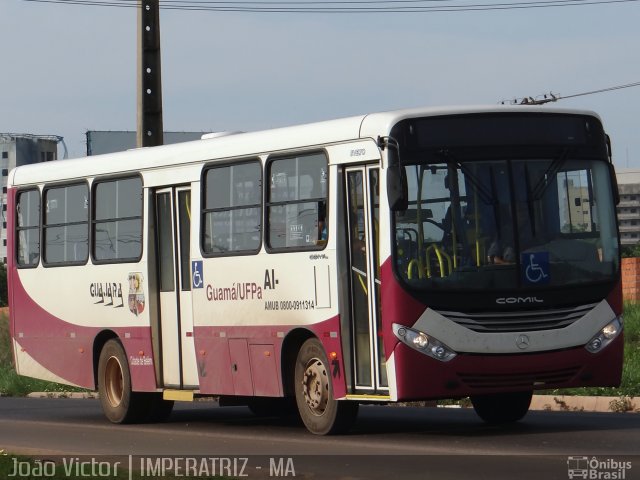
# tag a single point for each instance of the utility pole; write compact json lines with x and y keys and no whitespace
{"x":149,"y":75}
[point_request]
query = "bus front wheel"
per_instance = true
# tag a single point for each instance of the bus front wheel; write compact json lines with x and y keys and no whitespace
{"x":499,"y":408}
{"x":321,"y":413}
{"x":119,"y":403}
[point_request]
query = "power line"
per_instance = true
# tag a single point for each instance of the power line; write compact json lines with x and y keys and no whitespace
{"x":609,"y":89}
{"x":336,"y":7}
{"x":553,"y":97}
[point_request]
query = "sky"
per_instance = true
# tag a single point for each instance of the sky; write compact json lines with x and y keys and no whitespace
{"x":67,"y":69}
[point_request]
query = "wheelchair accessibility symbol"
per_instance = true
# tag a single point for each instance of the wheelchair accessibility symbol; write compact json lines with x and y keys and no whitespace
{"x":196,"y":274}
{"x":535,"y":268}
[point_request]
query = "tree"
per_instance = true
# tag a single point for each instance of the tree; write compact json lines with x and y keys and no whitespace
{"x":630,"y":251}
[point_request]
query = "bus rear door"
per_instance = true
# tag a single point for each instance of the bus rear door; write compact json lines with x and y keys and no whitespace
{"x":173,"y":220}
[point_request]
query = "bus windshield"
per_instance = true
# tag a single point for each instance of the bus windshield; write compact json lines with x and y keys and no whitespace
{"x":507,"y":223}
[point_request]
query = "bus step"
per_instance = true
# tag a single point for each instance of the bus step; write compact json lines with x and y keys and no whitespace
{"x":178,"y":395}
{"x":369,"y":397}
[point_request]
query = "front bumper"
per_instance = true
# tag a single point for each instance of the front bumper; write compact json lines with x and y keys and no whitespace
{"x":419,"y":377}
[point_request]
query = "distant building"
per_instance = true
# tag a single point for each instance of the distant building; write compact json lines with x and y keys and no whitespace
{"x":575,"y":213}
{"x":629,"y":207}
{"x":99,"y":142}
{"x":17,"y":150}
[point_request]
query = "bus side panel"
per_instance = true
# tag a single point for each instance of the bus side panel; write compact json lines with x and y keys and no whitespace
{"x":46,"y":347}
{"x":139,"y":350}
{"x":264,"y":371}
{"x":235,"y":360}
{"x":50,"y":348}
{"x":261,"y":298}
{"x":328,"y":333}
{"x":213,"y":360}
{"x":231,"y":356}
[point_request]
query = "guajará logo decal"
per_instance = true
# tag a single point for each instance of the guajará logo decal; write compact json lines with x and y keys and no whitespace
{"x":136,"y":293}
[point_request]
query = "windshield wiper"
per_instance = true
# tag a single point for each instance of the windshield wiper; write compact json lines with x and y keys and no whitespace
{"x":544,"y":183}
{"x":487,"y":196}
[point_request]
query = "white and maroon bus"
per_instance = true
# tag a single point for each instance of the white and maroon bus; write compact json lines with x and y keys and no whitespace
{"x":408,"y":255}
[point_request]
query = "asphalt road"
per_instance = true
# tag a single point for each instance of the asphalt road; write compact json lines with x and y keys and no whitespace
{"x":386,"y":442}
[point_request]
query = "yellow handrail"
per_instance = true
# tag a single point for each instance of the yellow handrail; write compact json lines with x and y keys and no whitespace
{"x":415,"y":261}
{"x":440,"y":254}
{"x":448,"y":258}
{"x":364,"y":287}
{"x":187,"y":198}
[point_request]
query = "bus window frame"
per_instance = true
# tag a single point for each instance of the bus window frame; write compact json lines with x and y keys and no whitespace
{"x":43,"y":227}
{"x":204,"y":211}
{"x":267,"y":203}
{"x":92,"y":219}
{"x":17,"y":229}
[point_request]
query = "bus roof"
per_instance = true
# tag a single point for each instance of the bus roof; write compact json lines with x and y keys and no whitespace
{"x":248,"y":144}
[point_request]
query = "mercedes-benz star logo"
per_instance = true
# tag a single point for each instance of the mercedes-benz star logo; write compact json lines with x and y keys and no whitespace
{"x":522,"y":342}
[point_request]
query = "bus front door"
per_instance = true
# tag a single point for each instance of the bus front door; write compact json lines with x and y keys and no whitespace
{"x":173,"y":223}
{"x":363,"y":208}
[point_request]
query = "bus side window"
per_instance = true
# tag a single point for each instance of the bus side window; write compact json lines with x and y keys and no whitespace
{"x":296,"y":204}
{"x":66,"y":225}
{"x":28,"y":228}
{"x":232,"y":209}
{"x":117,"y":220}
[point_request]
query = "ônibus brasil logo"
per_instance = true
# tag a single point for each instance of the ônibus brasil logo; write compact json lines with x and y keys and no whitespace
{"x":597,"y":469}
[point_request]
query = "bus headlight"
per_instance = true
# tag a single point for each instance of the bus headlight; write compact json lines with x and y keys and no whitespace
{"x":424,"y":343}
{"x":420,"y":341}
{"x":605,"y":336}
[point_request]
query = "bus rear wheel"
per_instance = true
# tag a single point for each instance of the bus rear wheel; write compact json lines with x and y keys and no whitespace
{"x":119,"y":403}
{"x":500,"y":408}
{"x":321,"y":413}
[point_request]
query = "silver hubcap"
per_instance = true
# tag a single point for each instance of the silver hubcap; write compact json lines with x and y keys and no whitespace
{"x":315,"y":385}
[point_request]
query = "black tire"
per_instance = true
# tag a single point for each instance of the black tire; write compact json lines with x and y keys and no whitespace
{"x":500,"y":408}
{"x":320,"y":412}
{"x":119,"y":403}
{"x":272,"y":407}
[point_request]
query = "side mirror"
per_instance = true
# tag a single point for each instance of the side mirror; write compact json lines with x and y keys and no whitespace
{"x":397,"y":189}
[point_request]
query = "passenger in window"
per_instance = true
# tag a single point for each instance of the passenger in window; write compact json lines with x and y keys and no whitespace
{"x":499,"y":254}
{"x":501,"y":249}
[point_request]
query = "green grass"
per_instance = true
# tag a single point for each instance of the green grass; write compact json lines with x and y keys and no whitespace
{"x":631,"y":373}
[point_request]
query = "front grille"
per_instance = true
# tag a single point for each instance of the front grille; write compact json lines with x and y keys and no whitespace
{"x":540,"y":379}
{"x":520,"y":321}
